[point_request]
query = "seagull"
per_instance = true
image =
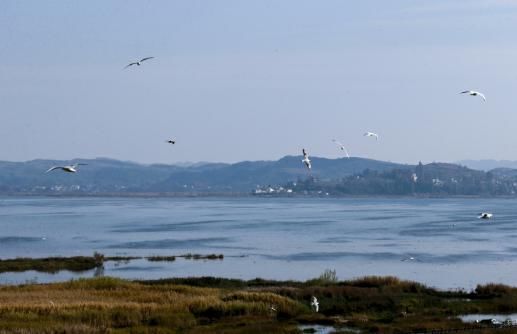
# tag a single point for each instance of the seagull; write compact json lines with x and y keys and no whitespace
{"x":171,"y":141}
{"x":485,"y":215}
{"x":272,"y":308}
{"x":371,"y":134}
{"x":409,"y":258}
{"x":305,"y":159}
{"x":342,"y":147}
{"x":138,"y":63}
{"x":474,"y":93}
{"x":315,"y":305}
{"x":69,"y":169}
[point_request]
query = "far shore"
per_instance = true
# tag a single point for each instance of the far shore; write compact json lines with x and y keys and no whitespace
{"x":244,"y":195}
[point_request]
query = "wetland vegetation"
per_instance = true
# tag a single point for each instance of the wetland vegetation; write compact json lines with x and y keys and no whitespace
{"x":84,"y":263}
{"x":218,"y":305}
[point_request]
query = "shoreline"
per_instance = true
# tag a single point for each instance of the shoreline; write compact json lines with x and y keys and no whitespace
{"x":245,"y":195}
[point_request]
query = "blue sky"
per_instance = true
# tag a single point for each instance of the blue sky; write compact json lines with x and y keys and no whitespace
{"x":257,"y":80}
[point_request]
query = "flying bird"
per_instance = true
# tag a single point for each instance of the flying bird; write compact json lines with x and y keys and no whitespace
{"x":138,"y":63}
{"x":342,"y":147}
{"x":171,"y":141}
{"x":371,"y":134}
{"x":485,"y":215}
{"x":315,"y":305}
{"x":306,"y":160}
{"x":68,"y":169}
{"x":474,"y":93}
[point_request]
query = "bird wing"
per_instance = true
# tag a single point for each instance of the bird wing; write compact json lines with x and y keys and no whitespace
{"x":482,"y":96}
{"x":304,"y":153}
{"x":130,"y":64}
{"x":347,"y":155}
{"x":146,"y":58}
{"x":466,"y":91}
{"x":53,"y":168}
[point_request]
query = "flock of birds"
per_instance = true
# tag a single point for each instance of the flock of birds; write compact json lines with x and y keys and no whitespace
{"x":74,"y":168}
{"x":314,"y":301}
{"x":307,"y":161}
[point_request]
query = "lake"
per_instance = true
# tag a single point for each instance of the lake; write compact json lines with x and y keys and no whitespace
{"x":438,"y":242}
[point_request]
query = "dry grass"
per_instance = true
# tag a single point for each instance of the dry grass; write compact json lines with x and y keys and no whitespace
{"x":214,"y":305}
{"x":105,"y":304}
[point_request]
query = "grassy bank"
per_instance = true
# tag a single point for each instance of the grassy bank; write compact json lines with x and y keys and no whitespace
{"x":212,"y":305}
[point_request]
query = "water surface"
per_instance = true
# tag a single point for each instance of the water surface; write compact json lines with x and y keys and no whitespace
{"x":439,"y":242}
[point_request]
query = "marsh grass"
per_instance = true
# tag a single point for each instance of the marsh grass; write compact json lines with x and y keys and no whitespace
{"x":84,"y":263}
{"x":216,"y":305}
{"x":50,"y":264}
{"x":202,"y":257}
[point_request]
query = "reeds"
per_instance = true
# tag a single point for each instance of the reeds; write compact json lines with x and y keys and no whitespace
{"x":211,"y":305}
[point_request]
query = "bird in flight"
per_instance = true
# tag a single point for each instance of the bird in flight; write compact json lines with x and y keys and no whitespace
{"x":138,"y":63}
{"x":371,"y":134}
{"x":171,"y":141}
{"x":474,"y":93}
{"x":68,"y":169}
{"x":342,"y":147}
{"x":306,"y":160}
{"x":485,"y":215}
{"x":315,"y":305}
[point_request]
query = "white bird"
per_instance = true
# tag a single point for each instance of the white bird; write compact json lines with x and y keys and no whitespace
{"x":272,"y":308}
{"x":306,"y":160}
{"x":485,"y":215}
{"x":371,"y":134}
{"x":68,"y":169}
{"x":474,"y":93}
{"x":315,"y":305}
{"x":138,"y":63}
{"x":409,"y":258}
{"x":342,"y":147}
{"x":171,"y":141}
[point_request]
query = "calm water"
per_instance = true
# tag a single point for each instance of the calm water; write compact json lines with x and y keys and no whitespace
{"x":277,"y":238}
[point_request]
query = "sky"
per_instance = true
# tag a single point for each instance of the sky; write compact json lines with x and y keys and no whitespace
{"x":237,"y":80}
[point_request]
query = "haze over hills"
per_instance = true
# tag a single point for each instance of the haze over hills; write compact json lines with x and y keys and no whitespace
{"x":334,"y":176}
{"x":488,"y":164}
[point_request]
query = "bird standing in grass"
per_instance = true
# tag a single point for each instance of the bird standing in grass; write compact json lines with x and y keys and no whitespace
{"x":315,"y":305}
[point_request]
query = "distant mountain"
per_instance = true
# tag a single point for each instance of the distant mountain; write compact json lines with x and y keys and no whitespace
{"x":435,"y":179}
{"x":103,"y":175}
{"x":504,"y":173}
{"x":487,"y":165}
{"x":244,"y":176}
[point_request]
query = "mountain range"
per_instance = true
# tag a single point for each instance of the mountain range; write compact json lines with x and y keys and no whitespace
{"x":108,"y":176}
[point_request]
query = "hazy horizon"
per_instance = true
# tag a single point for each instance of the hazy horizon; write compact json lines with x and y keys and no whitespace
{"x":257,"y":80}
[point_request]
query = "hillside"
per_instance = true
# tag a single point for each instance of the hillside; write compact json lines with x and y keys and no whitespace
{"x":439,"y":179}
{"x":103,"y":175}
